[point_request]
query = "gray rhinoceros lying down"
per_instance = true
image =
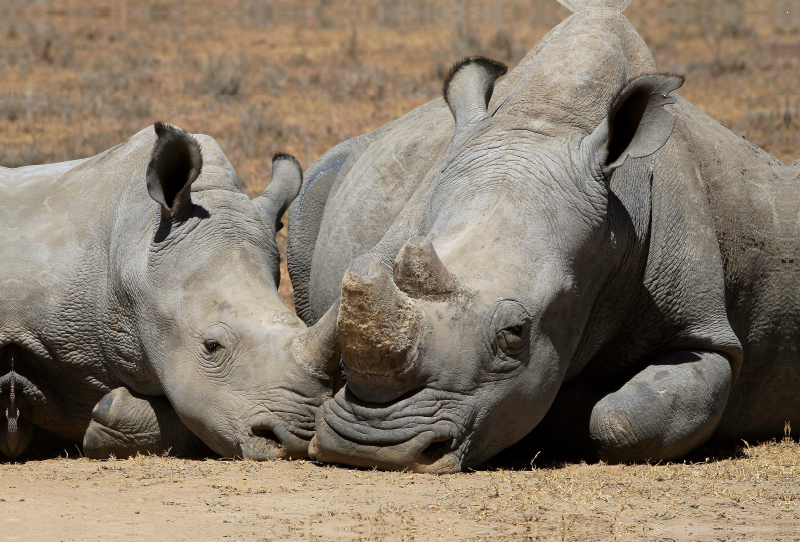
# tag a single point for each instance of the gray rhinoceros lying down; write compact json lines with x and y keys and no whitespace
{"x":133,"y":325}
{"x":580,"y":243}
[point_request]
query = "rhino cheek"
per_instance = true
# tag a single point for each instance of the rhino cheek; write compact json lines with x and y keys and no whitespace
{"x":201,"y":406}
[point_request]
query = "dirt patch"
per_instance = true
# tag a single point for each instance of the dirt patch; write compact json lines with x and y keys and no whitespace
{"x":753,"y":496}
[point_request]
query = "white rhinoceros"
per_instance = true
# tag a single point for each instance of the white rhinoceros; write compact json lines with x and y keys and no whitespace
{"x":138,"y":298}
{"x":580,"y":243}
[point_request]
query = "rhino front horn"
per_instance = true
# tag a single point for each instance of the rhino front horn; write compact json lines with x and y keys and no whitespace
{"x":380,"y":327}
{"x":419,"y":272}
{"x":317,"y":347}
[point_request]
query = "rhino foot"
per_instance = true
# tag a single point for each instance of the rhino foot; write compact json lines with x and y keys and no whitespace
{"x":124,"y":424}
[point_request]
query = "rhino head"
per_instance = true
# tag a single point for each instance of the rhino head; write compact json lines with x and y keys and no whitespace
{"x":241,"y":370}
{"x":457,"y":348}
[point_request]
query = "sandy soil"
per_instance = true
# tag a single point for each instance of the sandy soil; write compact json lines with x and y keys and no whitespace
{"x":752,"y":496}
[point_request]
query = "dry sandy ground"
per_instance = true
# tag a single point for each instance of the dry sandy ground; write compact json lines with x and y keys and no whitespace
{"x":753,"y":496}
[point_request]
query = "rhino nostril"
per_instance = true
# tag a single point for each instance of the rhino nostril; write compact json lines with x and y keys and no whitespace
{"x":435,"y":451}
{"x":269,"y":436}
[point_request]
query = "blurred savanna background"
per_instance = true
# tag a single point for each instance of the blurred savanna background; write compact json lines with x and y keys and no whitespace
{"x":80,"y":76}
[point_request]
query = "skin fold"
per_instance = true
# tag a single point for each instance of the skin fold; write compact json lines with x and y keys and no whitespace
{"x":578,"y":251}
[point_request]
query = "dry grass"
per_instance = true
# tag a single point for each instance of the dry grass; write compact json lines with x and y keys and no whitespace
{"x":79,"y":77}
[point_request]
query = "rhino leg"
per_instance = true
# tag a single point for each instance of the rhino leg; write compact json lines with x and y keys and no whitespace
{"x":124,"y":424}
{"x":663,"y":412}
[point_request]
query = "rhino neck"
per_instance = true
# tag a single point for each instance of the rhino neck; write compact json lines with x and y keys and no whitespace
{"x":571,"y":78}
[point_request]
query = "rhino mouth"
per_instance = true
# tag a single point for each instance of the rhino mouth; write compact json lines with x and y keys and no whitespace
{"x":282,"y":430}
{"x":268,"y":439}
{"x":416,"y":433}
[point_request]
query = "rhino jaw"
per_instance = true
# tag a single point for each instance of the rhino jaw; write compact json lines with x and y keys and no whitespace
{"x":425,"y":453}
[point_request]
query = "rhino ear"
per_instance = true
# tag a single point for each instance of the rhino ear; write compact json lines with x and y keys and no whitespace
{"x":287,"y":177}
{"x":469,"y":86}
{"x":637,"y":124}
{"x":175,"y":163}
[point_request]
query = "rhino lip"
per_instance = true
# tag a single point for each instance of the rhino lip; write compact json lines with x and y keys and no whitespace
{"x":386,"y":424}
{"x":354,"y":432}
{"x":427,"y":451}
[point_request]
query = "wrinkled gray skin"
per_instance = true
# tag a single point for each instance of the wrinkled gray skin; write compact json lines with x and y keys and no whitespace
{"x":139,"y":306}
{"x":581,"y":248}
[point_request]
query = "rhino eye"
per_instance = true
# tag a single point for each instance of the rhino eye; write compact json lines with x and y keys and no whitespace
{"x":511,"y":340}
{"x":211,"y":345}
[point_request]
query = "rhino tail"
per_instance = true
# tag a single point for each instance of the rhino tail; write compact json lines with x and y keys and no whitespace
{"x":583,"y":6}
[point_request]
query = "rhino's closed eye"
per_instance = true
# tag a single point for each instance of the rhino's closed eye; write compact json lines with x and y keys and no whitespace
{"x":511,"y":339}
{"x":511,"y":342}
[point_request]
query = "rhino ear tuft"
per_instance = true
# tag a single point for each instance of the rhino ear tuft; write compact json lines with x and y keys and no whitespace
{"x":287,"y":178}
{"x":469,"y":86}
{"x":175,"y":163}
{"x":638,"y":125}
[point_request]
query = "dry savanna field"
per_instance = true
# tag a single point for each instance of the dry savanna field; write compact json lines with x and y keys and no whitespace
{"x":78,"y":77}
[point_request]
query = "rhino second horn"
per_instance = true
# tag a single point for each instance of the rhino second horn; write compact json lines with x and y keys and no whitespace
{"x":419,"y":272}
{"x":380,"y":327}
{"x":317,"y":347}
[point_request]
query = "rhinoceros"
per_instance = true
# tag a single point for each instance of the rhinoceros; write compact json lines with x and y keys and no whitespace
{"x":139,"y":309}
{"x":580,"y":246}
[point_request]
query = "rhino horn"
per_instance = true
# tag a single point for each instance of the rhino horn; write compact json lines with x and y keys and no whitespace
{"x":469,"y":86}
{"x":419,"y":272}
{"x":380,"y":327}
{"x":317,"y":347}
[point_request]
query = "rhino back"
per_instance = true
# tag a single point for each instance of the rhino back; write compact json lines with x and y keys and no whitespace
{"x":54,"y":236}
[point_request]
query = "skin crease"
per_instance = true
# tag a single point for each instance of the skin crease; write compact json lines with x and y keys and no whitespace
{"x":162,"y":322}
{"x":618,"y":240}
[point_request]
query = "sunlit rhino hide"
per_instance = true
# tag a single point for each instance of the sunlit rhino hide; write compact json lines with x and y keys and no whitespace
{"x":579,"y":251}
{"x":139,"y":309}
